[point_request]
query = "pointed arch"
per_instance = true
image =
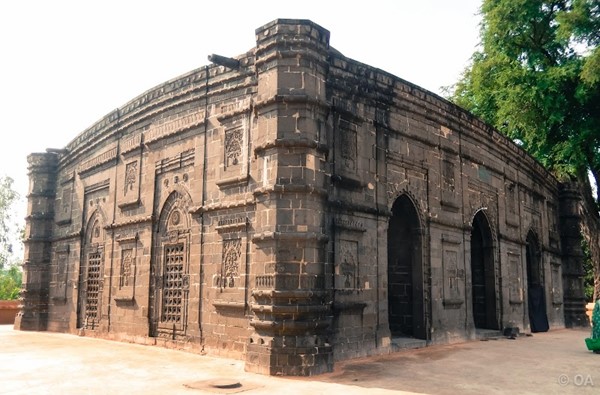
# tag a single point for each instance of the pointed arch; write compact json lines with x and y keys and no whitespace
{"x":91,"y":272}
{"x":407,"y":310}
{"x":175,"y":211}
{"x":538,"y":319}
{"x":485,"y":306}
{"x":169,"y":272}
{"x":533,"y":256}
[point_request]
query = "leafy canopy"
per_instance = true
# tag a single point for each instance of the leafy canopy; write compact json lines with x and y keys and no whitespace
{"x":10,"y":283}
{"x":536,"y":78}
{"x":10,"y":273}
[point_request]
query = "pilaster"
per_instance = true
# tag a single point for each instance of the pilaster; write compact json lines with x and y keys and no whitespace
{"x":291,"y":305}
{"x":38,"y":242}
{"x":572,"y":256}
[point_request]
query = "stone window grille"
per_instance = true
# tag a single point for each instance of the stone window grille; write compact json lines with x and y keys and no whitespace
{"x":94,"y":281}
{"x":172,"y":301}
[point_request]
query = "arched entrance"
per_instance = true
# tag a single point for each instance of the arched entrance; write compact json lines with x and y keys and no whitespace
{"x":169,"y":272}
{"x":91,"y":274}
{"x":405,"y":271}
{"x":483,"y":277}
{"x":538,"y":318}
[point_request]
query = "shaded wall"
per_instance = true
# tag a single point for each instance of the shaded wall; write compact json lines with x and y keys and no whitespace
{"x":247,"y":209}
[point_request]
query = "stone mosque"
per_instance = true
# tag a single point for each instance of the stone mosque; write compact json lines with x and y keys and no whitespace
{"x":292,"y":207}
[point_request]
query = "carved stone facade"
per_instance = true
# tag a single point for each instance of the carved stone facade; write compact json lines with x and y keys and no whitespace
{"x":292,"y":207}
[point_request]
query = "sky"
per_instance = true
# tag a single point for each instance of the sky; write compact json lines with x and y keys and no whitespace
{"x":66,"y":64}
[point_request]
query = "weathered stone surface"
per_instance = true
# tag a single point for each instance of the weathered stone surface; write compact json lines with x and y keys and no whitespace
{"x":294,"y":210}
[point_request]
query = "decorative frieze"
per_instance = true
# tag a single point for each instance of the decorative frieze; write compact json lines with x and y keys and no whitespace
{"x":354,"y":225}
{"x":131,"y":144}
{"x":183,"y":159}
{"x":232,"y":224}
{"x":171,"y":127}
{"x":86,"y":167}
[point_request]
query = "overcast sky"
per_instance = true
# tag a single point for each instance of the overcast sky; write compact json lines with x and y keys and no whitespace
{"x":66,"y":64}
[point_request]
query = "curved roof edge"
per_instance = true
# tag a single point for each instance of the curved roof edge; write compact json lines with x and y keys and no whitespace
{"x":100,"y":130}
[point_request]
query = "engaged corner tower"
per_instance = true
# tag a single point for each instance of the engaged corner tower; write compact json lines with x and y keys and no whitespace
{"x":291,"y":304}
{"x":38,"y":242}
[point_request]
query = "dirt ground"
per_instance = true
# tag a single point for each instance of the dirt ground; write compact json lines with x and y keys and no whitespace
{"x":556,"y":362}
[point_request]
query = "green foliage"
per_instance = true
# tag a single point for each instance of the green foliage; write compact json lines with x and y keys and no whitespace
{"x":10,"y":272}
{"x":588,"y":279}
{"x":10,"y":282}
{"x":7,"y":198}
{"x":537,"y":79}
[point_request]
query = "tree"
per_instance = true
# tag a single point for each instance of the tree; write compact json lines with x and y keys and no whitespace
{"x":10,"y":282}
{"x":536,"y":78}
{"x":10,"y":273}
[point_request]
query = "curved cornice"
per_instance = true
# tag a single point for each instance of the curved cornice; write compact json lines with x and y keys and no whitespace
{"x":385,"y":90}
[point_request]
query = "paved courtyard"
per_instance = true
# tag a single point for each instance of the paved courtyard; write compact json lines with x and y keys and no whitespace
{"x":555,"y":362}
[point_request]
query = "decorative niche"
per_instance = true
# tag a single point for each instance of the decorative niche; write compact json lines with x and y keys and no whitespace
{"x":234,"y":166}
{"x":127,"y":269}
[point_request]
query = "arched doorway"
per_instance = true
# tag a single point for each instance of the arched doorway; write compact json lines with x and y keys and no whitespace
{"x":169,"y":272}
{"x":538,"y":318}
{"x":405,"y":271}
{"x":483,"y":277}
{"x":91,"y":274}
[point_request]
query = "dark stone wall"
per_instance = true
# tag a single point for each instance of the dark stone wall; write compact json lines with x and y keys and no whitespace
{"x":249,"y":209}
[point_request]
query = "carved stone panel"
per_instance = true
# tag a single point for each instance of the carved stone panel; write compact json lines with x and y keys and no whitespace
{"x":557,"y":292}
{"x":510,"y":193}
{"x":234,"y":166}
{"x":448,"y":181}
{"x":60,"y":276}
{"x":234,"y":140}
{"x":449,"y":198}
{"x":454,"y":273}
{"x":65,"y":195}
{"x":348,"y":143}
{"x":553,"y":235}
{"x":130,"y":195}
{"x":65,"y":205}
{"x":515,"y":278}
{"x":231,"y":262}
{"x":127,"y":268}
{"x":346,"y":267}
{"x":131,"y":179}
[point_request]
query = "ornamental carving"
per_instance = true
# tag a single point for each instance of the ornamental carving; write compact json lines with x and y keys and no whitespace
{"x":131,"y":171}
{"x":126,"y":268}
{"x":347,"y":268}
{"x":233,"y":146}
{"x":348,"y":142}
{"x":232,"y":252}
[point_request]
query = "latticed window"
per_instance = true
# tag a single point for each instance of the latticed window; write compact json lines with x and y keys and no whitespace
{"x":94,"y":278}
{"x":172,"y":305}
